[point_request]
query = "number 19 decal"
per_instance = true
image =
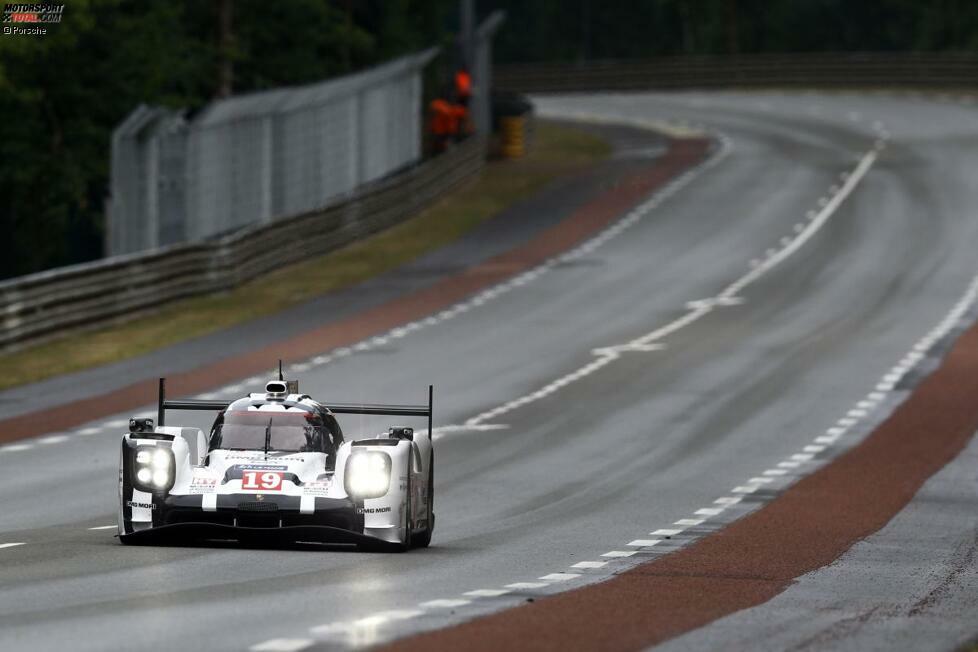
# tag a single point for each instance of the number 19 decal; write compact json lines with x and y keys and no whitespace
{"x":267,"y":480}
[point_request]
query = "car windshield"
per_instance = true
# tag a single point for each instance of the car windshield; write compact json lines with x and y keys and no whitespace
{"x":288,"y":431}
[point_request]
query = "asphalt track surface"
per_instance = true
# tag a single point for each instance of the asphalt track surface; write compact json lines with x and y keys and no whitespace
{"x":910,"y":586}
{"x":601,"y":460}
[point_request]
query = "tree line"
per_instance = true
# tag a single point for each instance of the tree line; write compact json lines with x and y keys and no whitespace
{"x":62,"y":94}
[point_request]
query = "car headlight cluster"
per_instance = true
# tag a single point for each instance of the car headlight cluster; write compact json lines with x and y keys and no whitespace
{"x":368,"y":474}
{"x":154,"y":468}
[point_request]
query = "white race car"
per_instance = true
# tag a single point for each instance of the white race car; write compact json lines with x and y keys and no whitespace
{"x":275,"y":467}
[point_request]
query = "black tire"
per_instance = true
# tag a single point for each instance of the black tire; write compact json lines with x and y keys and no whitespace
{"x":423,"y":539}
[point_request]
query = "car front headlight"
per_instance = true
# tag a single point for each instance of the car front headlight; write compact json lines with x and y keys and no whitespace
{"x":368,"y":474}
{"x":154,"y":468}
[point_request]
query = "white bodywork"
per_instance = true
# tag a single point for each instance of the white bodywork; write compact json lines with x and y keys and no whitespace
{"x":196,"y":473}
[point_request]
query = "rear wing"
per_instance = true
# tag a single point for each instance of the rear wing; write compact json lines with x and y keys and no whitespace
{"x":164,"y":404}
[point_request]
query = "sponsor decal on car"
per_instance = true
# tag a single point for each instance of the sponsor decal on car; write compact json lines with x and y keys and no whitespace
{"x":373,"y":510}
{"x":265,"y":480}
{"x":316,"y":487}
{"x":134,"y":504}
{"x":201,"y":484}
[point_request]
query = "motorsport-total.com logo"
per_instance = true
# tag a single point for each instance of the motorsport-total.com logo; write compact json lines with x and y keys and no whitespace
{"x":30,"y":18}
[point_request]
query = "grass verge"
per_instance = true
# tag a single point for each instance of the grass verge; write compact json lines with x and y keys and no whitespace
{"x":557,"y":151}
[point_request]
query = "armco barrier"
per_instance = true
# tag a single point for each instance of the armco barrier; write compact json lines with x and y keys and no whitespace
{"x":57,"y":301}
{"x":802,"y":70}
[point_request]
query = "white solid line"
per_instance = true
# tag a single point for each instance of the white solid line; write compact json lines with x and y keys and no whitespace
{"x":13,"y":448}
{"x":53,"y":439}
{"x":104,"y":527}
{"x":517,"y":586}
{"x":89,"y":431}
{"x":590,"y":564}
{"x":116,"y":423}
{"x":559,"y":577}
{"x":486,"y":593}
{"x":11,"y":545}
{"x":817,"y":222}
{"x":282,"y":645}
{"x":619,"y":553}
{"x":444,"y":604}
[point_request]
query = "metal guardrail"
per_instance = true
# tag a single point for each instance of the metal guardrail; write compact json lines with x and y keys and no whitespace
{"x":803,"y":70}
{"x":50,"y":303}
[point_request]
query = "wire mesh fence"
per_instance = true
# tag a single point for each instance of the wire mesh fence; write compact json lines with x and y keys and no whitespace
{"x":255,"y":158}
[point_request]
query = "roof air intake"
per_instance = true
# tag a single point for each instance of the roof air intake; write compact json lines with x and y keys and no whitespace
{"x":276,"y":389}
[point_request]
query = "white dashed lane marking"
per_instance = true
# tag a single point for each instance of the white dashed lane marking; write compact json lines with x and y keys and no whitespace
{"x":689,"y":522}
{"x":486,"y":593}
{"x":560,"y":577}
{"x":282,"y":645}
{"x":643,"y":543}
{"x":589,"y":564}
{"x":728,"y":297}
{"x":12,"y":545}
{"x":708,"y":511}
{"x":443,"y":604}
{"x":697,"y":309}
{"x":524,"y":586}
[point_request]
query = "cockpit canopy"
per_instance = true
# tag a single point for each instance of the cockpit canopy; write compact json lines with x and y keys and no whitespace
{"x":292,"y":431}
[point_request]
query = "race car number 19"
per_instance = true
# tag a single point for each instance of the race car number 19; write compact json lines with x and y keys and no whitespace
{"x":267,"y":480}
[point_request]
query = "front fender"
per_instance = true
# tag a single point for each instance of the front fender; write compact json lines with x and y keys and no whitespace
{"x":140,"y":509}
{"x":384,"y":517}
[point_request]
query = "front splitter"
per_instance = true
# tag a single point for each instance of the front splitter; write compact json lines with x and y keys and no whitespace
{"x":189,"y":532}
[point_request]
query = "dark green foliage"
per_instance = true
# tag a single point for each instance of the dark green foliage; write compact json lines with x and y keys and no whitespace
{"x":572,"y":30}
{"x":62,"y":94}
